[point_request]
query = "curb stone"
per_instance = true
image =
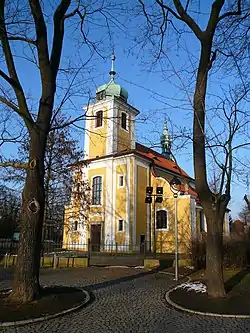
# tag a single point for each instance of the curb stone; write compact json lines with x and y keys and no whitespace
{"x":40,"y":319}
{"x":208,"y":314}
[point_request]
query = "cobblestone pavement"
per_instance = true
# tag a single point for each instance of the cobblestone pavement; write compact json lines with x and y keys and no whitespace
{"x":123,"y":300}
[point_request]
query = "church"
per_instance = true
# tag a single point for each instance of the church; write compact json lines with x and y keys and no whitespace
{"x":138,"y":197}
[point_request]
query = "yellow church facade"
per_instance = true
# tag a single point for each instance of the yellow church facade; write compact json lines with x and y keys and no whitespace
{"x":119,"y":171}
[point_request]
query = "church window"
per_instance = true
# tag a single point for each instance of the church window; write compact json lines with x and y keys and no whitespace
{"x":97,"y":190}
{"x":124,"y":121}
{"x":120,"y":225}
{"x":161,"y":219}
{"x":99,"y":119}
{"x":75,"y":226}
{"x":121,"y":181}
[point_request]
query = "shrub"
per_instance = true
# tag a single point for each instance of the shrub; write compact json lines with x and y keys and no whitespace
{"x":198,"y":253}
{"x":236,"y":253}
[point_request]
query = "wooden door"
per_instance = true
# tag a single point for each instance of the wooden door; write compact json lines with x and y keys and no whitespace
{"x":95,"y":237}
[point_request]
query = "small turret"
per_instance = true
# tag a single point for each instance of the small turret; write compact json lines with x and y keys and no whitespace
{"x":166,"y":142}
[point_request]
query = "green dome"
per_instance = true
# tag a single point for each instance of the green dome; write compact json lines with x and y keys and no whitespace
{"x":113,"y":89}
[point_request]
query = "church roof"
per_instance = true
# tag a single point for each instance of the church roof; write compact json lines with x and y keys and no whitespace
{"x":163,"y":162}
{"x":160,"y":160}
{"x":112,"y":88}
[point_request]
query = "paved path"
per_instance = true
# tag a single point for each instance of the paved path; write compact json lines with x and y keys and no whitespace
{"x":124,"y":300}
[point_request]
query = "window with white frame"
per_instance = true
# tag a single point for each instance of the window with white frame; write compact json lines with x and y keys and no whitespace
{"x":121,"y":180}
{"x":120,"y":225}
{"x":99,"y":119}
{"x":96,"y":190}
{"x":161,"y":219}
{"x":124,"y":121}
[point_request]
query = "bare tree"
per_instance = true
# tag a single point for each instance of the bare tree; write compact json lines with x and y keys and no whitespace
{"x":225,"y":21}
{"x":61,"y":151}
{"x":247,"y":201}
{"x":10,"y":205}
{"x":28,"y":23}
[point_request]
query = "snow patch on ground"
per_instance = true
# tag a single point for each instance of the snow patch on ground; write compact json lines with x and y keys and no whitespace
{"x":197,"y":287}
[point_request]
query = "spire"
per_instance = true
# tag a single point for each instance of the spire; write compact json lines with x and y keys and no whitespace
{"x":112,"y":71}
{"x":166,"y":142}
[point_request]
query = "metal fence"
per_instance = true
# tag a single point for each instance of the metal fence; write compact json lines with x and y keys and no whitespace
{"x":48,"y":247}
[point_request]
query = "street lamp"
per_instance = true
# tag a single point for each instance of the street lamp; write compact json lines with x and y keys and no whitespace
{"x":175,"y":185}
{"x":158,"y":198}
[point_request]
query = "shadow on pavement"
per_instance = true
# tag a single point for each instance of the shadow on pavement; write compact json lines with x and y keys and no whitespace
{"x":109,"y":283}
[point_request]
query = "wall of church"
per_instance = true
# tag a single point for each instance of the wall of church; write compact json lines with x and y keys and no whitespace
{"x":141,"y":207}
{"x":123,"y":136}
{"x":121,"y":203}
{"x":165,"y":238}
{"x":96,"y":212}
{"x":98,"y":136}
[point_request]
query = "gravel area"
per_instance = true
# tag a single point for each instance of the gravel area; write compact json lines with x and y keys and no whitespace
{"x":123,"y":300}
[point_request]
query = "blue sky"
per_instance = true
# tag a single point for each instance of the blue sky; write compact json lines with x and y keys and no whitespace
{"x":160,"y":91}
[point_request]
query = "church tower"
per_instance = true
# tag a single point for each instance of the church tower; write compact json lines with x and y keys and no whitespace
{"x":166,"y":142}
{"x":110,"y":120}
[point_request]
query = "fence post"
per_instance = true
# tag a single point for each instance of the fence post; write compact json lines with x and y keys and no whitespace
{"x":89,"y":249}
{"x":6,"y":260}
{"x":116,"y":249}
{"x":145,"y":248}
{"x":55,"y":258}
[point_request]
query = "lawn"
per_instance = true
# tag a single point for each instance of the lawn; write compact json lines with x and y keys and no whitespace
{"x":237,"y":301}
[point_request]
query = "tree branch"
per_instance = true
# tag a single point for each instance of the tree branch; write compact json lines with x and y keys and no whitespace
{"x":13,"y":79}
{"x":10,"y":104}
{"x":15,"y":165}
{"x":188,"y":19}
{"x":73,"y":13}
{"x":42,"y":43}
{"x":11,"y":82}
{"x":24,"y":39}
{"x":59,"y":16}
{"x":160,"y":2}
{"x":237,"y":12}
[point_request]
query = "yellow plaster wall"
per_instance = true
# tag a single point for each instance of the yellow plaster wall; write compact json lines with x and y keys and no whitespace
{"x":98,"y":136}
{"x":132,"y":197}
{"x":121,"y":203}
{"x":123,"y":136}
{"x":71,"y":213}
{"x":166,"y":238}
{"x":141,"y":206}
{"x":97,"y":213}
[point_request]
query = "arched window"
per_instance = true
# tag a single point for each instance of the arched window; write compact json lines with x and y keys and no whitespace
{"x":99,"y":119}
{"x":124,"y":120}
{"x":161,"y":219}
{"x":96,"y":190}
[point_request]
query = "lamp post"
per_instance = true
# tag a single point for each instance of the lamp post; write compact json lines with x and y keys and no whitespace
{"x":175,"y":184}
{"x":158,"y":197}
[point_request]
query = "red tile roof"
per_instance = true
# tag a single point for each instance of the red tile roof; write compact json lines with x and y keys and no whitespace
{"x":164,"y":163}
{"x":159,"y":160}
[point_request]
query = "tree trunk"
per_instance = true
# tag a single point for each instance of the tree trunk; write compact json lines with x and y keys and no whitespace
{"x":25,"y":286}
{"x":212,"y":210}
{"x":214,"y":257}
